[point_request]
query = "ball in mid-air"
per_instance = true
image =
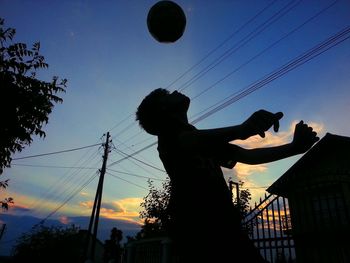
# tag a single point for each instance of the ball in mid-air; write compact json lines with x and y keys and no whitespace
{"x":166,"y":21}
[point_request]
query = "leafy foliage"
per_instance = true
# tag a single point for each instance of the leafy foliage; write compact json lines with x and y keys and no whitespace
{"x":9,"y":200}
{"x":26,"y":100}
{"x":156,"y":215}
{"x":6,"y":202}
{"x":244,"y":199}
{"x":243,"y":206}
{"x":155,"y":211}
{"x":49,"y":244}
{"x":4,"y":184}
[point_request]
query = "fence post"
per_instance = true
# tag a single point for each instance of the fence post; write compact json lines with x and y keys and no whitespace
{"x":166,"y":250}
{"x":2,"y":230}
{"x":130,"y":253}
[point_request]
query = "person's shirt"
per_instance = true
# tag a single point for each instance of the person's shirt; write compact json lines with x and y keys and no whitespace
{"x":196,"y":175}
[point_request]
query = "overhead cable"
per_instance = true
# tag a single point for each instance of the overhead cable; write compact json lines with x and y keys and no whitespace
{"x":63,"y":151}
{"x":293,"y":64}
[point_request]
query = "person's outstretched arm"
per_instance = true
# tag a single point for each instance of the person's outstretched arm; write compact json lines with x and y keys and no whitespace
{"x":258,"y":123}
{"x":304,"y":138}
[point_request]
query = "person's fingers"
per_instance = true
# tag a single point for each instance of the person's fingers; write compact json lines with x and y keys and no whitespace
{"x":276,"y":124}
{"x":263,"y":120}
{"x":274,"y":120}
{"x":300,"y":124}
{"x":279,"y":115}
{"x":262,"y":134}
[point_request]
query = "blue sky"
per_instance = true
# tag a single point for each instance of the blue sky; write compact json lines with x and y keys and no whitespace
{"x":111,"y":62}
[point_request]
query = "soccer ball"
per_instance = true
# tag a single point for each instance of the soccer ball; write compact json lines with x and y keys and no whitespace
{"x":166,"y":21}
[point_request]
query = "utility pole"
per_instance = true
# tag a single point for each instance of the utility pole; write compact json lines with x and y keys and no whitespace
{"x":2,"y":230}
{"x":231,"y":183}
{"x":93,"y":225}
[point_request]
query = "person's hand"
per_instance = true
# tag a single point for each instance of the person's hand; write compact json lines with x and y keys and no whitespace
{"x":259,"y":122}
{"x":304,"y":137}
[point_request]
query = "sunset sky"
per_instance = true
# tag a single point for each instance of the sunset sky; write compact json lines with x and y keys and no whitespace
{"x":104,"y":50}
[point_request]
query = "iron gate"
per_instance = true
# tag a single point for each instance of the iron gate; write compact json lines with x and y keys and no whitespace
{"x":269,"y":227}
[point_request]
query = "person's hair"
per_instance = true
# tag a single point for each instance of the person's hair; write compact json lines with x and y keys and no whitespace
{"x":150,"y":114}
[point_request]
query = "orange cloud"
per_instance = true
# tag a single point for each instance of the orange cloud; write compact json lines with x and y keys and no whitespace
{"x":243,"y":170}
{"x":274,"y":139}
{"x":84,"y":194}
{"x":271,"y":139}
{"x":124,"y":209}
{"x":22,"y":203}
{"x":87,"y":204}
{"x":64,"y":220}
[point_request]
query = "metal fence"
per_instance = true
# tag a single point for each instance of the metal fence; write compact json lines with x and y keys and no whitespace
{"x":269,"y":226}
{"x":151,"y":250}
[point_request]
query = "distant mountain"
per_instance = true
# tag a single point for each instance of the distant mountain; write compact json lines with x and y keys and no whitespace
{"x":17,"y":225}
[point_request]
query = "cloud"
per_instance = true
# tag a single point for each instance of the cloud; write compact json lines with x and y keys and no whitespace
{"x":243,"y":172}
{"x":18,"y":208}
{"x":87,"y":204}
{"x":115,"y":206}
{"x":255,"y":190}
{"x":125,"y":209}
{"x":270,"y":140}
{"x":64,"y":220}
{"x":274,"y":139}
{"x":128,"y":209}
{"x":84,"y":194}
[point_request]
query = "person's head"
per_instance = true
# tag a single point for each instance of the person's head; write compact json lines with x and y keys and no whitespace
{"x":161,"y":109}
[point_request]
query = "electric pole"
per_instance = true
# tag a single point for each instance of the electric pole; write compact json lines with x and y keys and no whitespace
{"x":2,"y":230}
{"x":93,"y":225}
{"x":231,"y":183}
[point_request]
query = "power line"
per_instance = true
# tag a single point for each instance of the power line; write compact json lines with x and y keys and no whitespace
{"x":140,"y":161}
{"x":136,"y":175}
{"x":259,"y":29}
{"x":54,"y":166}
{"x":205,"y":57}
{"x":74,"y":191}
{"x":222,"y":43}
{"x":115,"y":176}
{"x":63,"y":151}
{"x":296,"y":62}
{"x":64,"y":183}
{"x":120,"y":122}
{"x":133,"y":154}
{"x":128,"y":147}
{"x":266,"y":49}
{"x":140,"y":165}
{"x":292,"y":64}
{"x":69,"y":198}
{"x":276,"y":16}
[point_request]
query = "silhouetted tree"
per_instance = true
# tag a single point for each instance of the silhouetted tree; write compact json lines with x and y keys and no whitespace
{"x":156,"y":215}
{"x":5,"y":203}
{"x":4,"y":184}
{"x":155,"y":212}
{"x":26,"y":100}
{"x":244,"y":200}
{"x":9,"y":200}
{"x":49,"y":244}
{"x":243,"y":204}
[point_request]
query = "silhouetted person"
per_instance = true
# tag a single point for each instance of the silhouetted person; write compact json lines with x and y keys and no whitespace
{"x":204,"y":225}
{"x":113,"y":250}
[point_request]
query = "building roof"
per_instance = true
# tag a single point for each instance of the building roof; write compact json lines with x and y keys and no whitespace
{"x":328,"y":160}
